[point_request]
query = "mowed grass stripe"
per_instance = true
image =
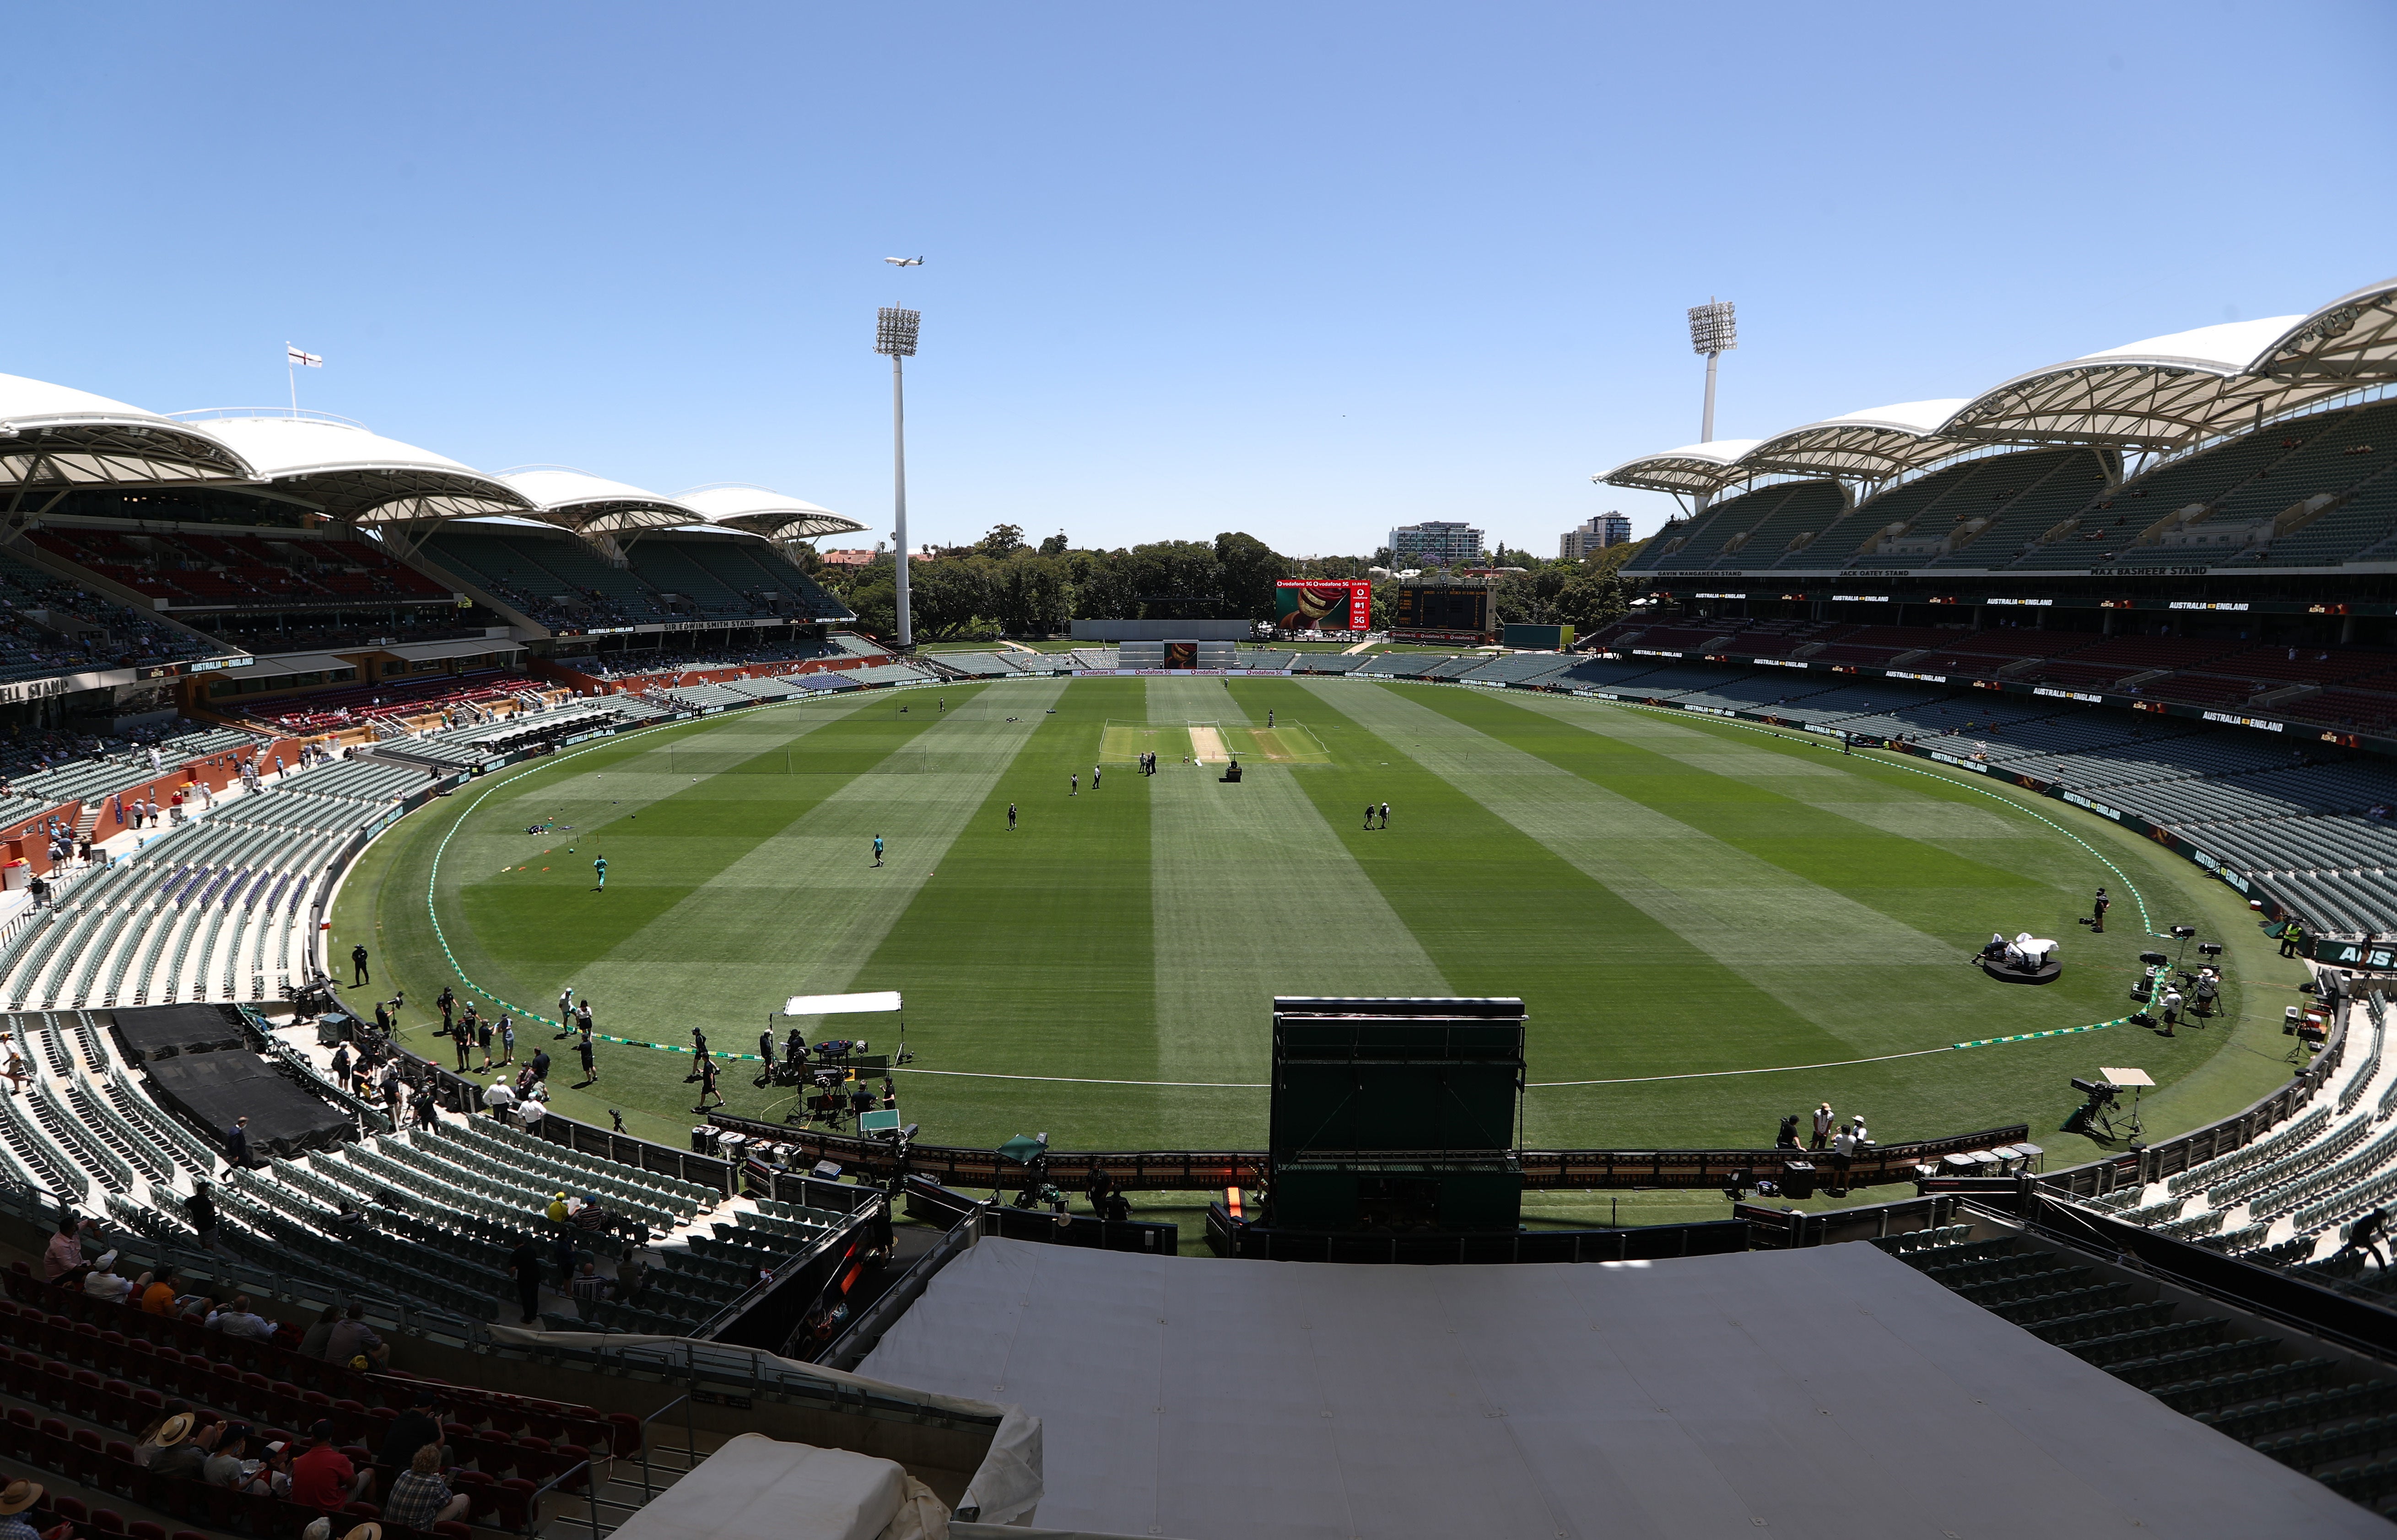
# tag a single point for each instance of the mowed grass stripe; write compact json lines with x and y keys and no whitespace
{"x":2038,"y":882}
{"x":665,"y":833}
{"x":1255,"y":896}
{"x":1927,"y":811}
{"x":1612,"y":990}
{"x":1030,"y":953}
{"x":1848,"y":964}
{"x":806,"y":902}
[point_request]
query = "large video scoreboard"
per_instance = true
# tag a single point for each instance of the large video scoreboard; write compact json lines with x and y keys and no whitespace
{"x":1454,"y":609}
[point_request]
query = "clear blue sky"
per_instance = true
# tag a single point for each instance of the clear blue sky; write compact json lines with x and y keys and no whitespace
{"x":1304,"y":269}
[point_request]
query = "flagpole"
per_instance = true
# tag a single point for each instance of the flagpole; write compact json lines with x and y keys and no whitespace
{"x":291,"y":373}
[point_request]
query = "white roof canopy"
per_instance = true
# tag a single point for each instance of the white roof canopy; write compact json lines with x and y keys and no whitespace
{"x":1873,"y":445}
{"x":2157,"y":394}
{"x":841,"y":1005}
{"x":2163,"y":393}
{"x":587,"y":503}
{"x":765,"y":512}
{"x":1707,"y":467}
{"x":52,"y":436}
{"x":356,"y":474}
{"x":2353,"y":339}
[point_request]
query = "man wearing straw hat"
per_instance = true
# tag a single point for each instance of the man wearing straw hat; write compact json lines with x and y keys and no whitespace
{"x":14,"y":1500}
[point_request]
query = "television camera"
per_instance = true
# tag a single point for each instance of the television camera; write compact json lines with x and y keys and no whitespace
{"x":2102,"y":1101}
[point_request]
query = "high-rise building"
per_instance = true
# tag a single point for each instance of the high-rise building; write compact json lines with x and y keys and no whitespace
{"x":1596,"y":534}
{"x":1435,"y":544}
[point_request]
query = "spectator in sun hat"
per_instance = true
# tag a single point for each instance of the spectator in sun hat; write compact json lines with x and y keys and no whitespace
{"x":14,"y":1500}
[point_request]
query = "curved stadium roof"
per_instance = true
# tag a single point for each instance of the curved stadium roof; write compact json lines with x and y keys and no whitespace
{"x":354,"y":475}
{"x":1706,"y":468}
{"x":762,"y":511}
{"x":2163,"y":393}
{"x":590,"y":505}
{"x":1873,"y":445}
{"x":52,"y":436}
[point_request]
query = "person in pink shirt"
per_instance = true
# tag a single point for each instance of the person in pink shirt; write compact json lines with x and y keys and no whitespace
{"x":64,"y":1252}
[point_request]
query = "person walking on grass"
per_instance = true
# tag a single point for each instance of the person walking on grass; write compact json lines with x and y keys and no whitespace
{"x":489,"y":1030}
{"x":600,"y":866}
{"x":359,"y":972}
{"x":2098,"y":906}
{"x":707,"y":1085}
{"x":1094,"y":777}
{"x":1010,"y":818}
{"x":1386,"y":815}
{"x":1369,"y":815}
{"x":878,"y":850}
{"x":463,"y":1037}
{"x":590,"y":1070}
{"x":507,"y":1040}
{"x":1074,"y":784}
{"x":565,"y":1011}
{"x":582,"y":1016}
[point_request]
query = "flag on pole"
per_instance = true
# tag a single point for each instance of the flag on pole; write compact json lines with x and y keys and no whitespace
{"x":302,"y":360}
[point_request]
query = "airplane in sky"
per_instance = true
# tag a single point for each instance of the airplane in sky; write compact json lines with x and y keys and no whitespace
{"x":905,"y":261}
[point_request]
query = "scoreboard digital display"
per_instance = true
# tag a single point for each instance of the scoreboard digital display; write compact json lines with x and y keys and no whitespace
{"x":1442,"y":609}
{"x":1318,"y":604}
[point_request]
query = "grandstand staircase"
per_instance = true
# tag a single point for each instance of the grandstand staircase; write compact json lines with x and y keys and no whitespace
{"x":2332,"y":1417}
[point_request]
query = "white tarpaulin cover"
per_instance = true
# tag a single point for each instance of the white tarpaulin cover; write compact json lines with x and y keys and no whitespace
{"x":1005,"y":1487}
{"x":757,"y":1488}
{"x":1827,"y":1391}
{"x":841,"y":1005}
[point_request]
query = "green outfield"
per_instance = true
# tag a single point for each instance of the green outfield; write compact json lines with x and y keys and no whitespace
{"x":1692,"y":910}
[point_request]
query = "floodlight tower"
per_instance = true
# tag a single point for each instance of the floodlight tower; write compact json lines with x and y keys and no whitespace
{"x":1714,"y":331}
{"x":894,"y":334}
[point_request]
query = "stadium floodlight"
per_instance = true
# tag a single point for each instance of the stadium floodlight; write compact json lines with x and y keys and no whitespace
{"x":894,"y":330}
{"x":1713,"y":327}
{"x":1714,"y":330}
{"x":894,"y":337}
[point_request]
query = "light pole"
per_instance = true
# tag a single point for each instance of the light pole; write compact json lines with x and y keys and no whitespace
{"x":1714,"y":331}
{"x":894,"y":333}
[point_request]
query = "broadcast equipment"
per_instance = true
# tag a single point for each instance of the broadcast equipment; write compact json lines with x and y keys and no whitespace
{"x":2209,"y":949}
{"x":2184,"y":931}
{"x":2154,"y":959}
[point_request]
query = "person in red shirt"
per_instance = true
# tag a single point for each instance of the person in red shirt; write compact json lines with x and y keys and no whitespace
{"x":323,"y":1479}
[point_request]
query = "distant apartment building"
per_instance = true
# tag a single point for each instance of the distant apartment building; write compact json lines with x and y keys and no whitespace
{"x":1595,"y":535}
{"x":1435,"y":544}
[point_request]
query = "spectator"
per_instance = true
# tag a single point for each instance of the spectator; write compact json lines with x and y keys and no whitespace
{"x":354,"y":1339}
{"x":501,"y":1098}
{"x":238,"y":1141}
{"x":524,"y":1264}
{"x":146,"y":1447}
{"x":314,"y":1342}
{"x":273,"y":1476}
{"x":591,"y":1216}
{"x":64,"y":1252}
{"x":178,"y":1454}
{"x":323,"y":1477}
{"x":14,"y":1500}
{"x":201,"y":1207}
{"x":224,"y":1464}
{"x":419,"y":1498}
{"x":159,"y":1298}
{"x":239,"y":1321}
{"x":588,"y":1289}
{"x":413,"y":1429}
{"x":105,"y":1282}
